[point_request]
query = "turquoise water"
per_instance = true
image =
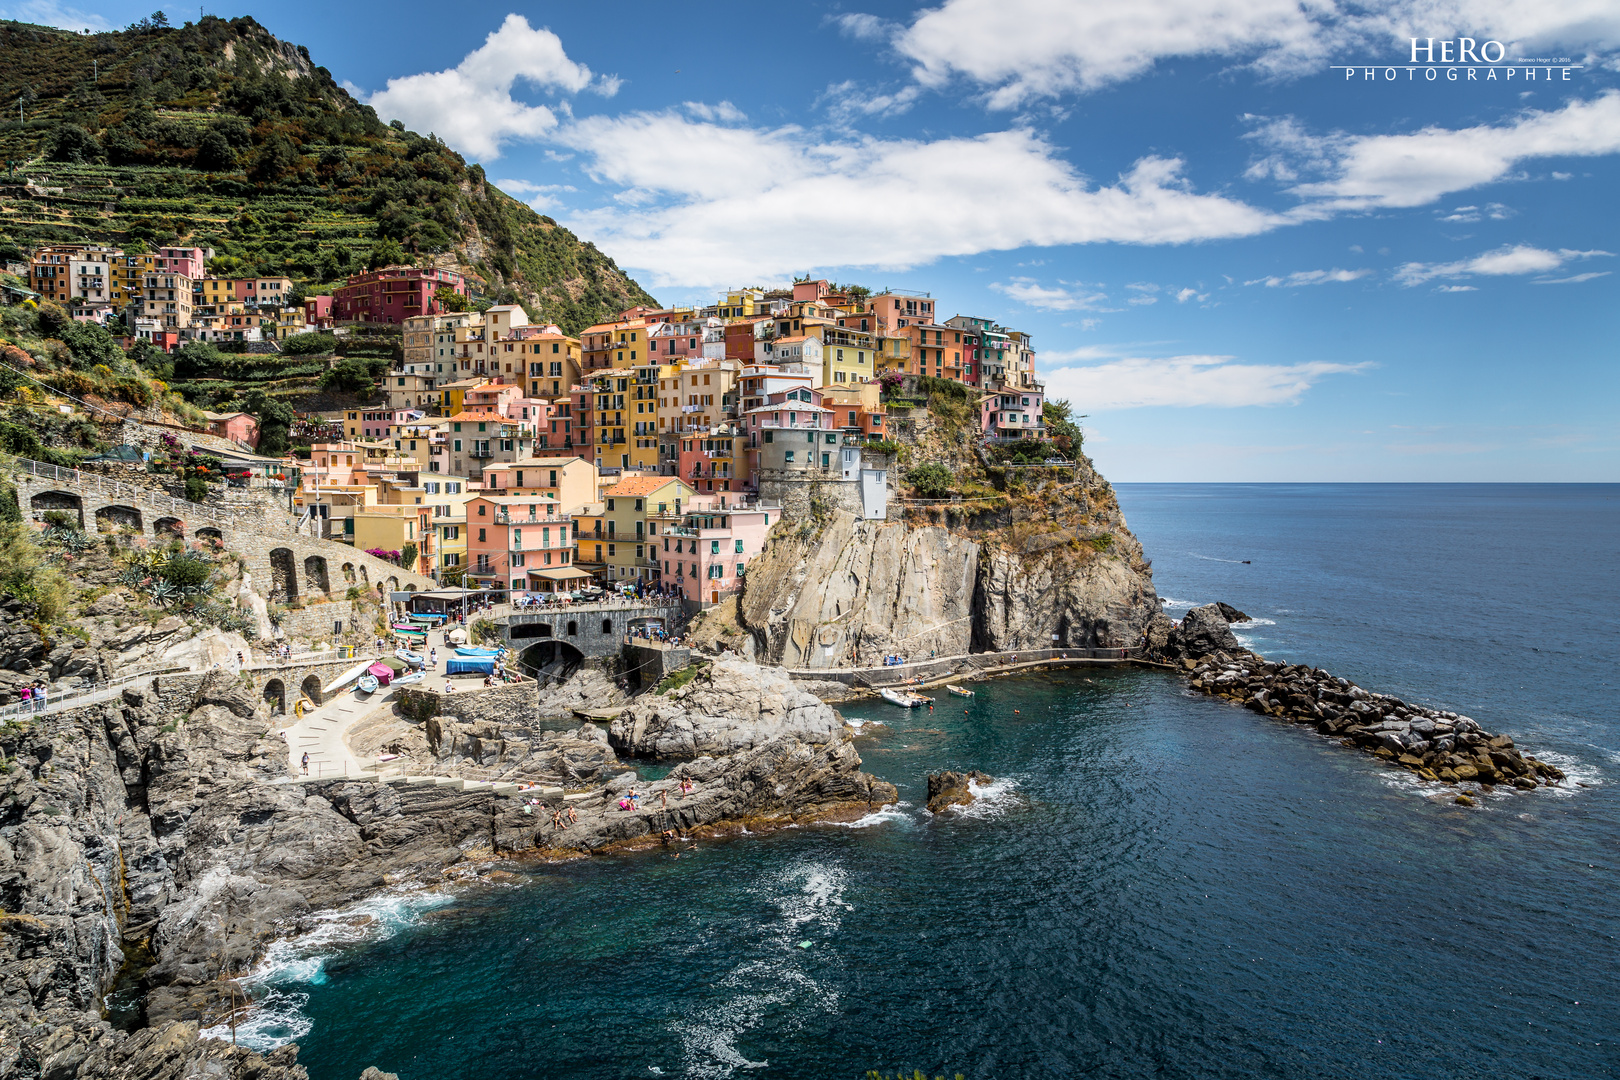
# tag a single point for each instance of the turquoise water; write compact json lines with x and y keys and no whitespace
{"x":1157,"y":885}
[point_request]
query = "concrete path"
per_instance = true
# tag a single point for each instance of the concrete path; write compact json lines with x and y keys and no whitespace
{"x":321,"y":734}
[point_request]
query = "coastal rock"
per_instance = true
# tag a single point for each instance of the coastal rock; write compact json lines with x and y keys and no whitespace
{"x":1230,"y":613}
{"x":733,"y":706}
{"x":1203,"y":631}
{"x":946,"y":789}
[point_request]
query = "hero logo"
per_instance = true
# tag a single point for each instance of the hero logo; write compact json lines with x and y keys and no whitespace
{"x":1464,"y":51}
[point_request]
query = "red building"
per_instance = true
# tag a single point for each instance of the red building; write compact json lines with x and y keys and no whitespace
{"x":393,"y":294}
{"x":318,"y":311}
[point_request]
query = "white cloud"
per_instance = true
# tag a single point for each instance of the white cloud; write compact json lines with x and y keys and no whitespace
{"x":1032,"y":294}
{"x":1575,"y":280}
{"x":1309,"y":277}
{"x":1393,"y":171}
{"x":725,"y":112}
{"x":51,"y":13}
{"x":1457,"y":288}
{"x":1467,"y":215}
{"x":1191,"y":294}
{"x":1130,"y":382}
{"x":1516,"y":259}
{"x":541,"y":196}
{"x":471,"y":105}
{"x":1018,"y":50}
{"x":863,"y":27}
{"x":848,"y":99}
{"x":740,"y":204}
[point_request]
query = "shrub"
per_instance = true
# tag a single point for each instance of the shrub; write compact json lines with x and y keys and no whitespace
{"x":931,"y":481}
{"x":196,"y":489}
{"x":308,"y":344}
{"x":350,"y":375}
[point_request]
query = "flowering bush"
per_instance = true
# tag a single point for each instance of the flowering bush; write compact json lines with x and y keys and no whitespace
{"x":391,"y":556}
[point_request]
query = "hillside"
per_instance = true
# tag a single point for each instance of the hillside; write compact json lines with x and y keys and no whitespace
{"x":219,"y":134}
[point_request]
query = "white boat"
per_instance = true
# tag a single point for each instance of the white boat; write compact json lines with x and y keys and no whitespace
{"x":415,"y":676}
{"x":347,"y":677}
{"x":900,"y":698}
{"x":413,"y":659}
{"x":959,"y":691}
{"x":366,"y":684}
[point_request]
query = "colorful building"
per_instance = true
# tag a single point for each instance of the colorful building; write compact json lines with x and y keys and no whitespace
{"x":393,"y":294}
{"x":520,"y":544}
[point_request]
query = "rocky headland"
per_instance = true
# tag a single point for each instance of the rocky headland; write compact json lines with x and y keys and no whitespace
{"x":1435,"y":745}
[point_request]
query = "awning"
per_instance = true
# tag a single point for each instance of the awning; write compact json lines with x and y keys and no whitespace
{"x":559,"y":573}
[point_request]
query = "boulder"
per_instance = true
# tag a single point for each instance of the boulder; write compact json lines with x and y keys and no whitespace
{"x":1204,"y":630}
{"x":1230,"y":613}
{"x":952,"y":788}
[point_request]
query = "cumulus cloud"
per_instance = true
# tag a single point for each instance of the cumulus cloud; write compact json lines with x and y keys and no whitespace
{"x":736,"y":204}
{"x":1029,"y":292}
{"x":863,"y":27}
{"x":1017,"y":50}
{"x":1130,"y":382}
{"x":50,"y":13}
{"x":1397,"y":171}
{"x":1187,"y":294}
{"x":1309,"y":277}
{"x":1515,"y":259}
{"x":471,"y":105}
{"x":725,"y":112}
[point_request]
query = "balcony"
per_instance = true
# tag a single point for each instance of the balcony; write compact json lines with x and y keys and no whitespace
{"x":483,"y":452}
{"x":537,"y":520}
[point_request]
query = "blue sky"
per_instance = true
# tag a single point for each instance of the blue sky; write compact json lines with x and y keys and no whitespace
{"x":1236,"y":263}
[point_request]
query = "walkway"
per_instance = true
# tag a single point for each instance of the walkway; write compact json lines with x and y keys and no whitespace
{"x":948,"y":668}
{"x":321,"y":732}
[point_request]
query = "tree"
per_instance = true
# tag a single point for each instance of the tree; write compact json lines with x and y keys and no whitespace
{"x":275,"y":421}
{"x":1061,"y":425}
{"x":386,"y":252}
{"x":449,"y":300}
{"x":407,"y":556}
{"x":214,"y":153}
{"x":70,"y":142}
{"x":348,"y":375}
{"x":931,"y":481}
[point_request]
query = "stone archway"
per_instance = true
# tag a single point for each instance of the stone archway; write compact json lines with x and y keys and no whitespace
{"x":410,"y":587}
{"x":208,"y":532}
{"x":283,"y":575}
{"x":170,"y":527}
{"x":393,"y":584}
{"x":365,"y":577}
{"x":63,"y":501}
{"x":113,"y":518}
{"x":275,"y":695}
{"x":311,"y":688}
{"x":348,"y":573}
{"x":315,"y":579}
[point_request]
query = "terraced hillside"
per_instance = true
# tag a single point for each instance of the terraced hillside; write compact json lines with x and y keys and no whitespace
{"x":219,"y":134}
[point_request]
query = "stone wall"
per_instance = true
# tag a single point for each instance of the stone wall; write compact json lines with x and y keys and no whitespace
{"x":517,"y":703}
{"x":649,"y":664}
{"x":316,"y":620}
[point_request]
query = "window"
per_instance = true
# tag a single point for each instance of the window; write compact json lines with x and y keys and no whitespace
{"x":481,"y":508}
{"x":458,"y":443}
{"x":826,"y":460}
{"x":613,"y":549}
{"x":788,"y":457}
{"x":714,"y":547}
{"x":610,"y":505}
{"x":607,"y":626}
{"x":480,"y":535}
{"x":832,"y":439}
{"x":739,"y":547}
{"x":638,"y":504}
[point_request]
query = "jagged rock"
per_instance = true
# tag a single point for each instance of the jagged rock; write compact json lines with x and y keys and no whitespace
{"x":1230,"y":613}
{"x":1203,"y":631}
{"x":734,"y":706}
{"x":947,"y":789}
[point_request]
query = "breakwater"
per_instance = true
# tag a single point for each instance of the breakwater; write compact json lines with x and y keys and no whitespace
{"x":1438,"y":746}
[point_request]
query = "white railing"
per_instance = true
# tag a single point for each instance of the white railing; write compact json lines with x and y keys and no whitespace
{"x":82,"y":696}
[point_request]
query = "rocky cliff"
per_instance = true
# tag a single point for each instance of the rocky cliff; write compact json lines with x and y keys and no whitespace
{"x":1048,"y":563}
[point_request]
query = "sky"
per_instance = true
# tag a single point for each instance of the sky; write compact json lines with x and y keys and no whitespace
{"x":1237,"y":263}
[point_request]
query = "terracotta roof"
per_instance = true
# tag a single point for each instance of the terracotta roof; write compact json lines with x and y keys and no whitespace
{"x":639,"y":485}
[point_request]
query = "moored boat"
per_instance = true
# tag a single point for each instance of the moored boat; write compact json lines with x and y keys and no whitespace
{"x":901,"y":698}
{"x":959,"y":691}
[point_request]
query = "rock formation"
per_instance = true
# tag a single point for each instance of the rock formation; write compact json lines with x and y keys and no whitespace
{"x":946,"y":789}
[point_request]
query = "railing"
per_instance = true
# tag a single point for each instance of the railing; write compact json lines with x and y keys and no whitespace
{"x":74,"y":698}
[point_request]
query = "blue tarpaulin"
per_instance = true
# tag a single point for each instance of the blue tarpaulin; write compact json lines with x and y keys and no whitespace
{"x":482,"y":665}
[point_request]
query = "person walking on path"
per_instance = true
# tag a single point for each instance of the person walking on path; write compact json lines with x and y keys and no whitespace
{"x":306,"y":763}
{"x":39,"y":697}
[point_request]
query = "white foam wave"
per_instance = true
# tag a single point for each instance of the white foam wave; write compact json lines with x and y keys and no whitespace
{"x":809,"y":898}
{"x":1170,"y":602}
{"x":1577,"y":772}
{"x":1253,"y":622}
{"x":991,"y":800}
{"x":1214,"y":558}
{"x":276,"y":1016}
{"x":893,"y":812}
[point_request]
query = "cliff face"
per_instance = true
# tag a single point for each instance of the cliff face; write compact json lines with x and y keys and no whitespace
{"x":1053,"y":564}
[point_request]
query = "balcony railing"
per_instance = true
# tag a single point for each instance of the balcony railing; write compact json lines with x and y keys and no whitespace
{"x":537,"y":519}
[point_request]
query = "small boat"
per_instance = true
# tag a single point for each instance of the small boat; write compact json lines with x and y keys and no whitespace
{"x":346,"y":678}
{"x":415,"y":676}
{"x":959,"y":691}
{"x":413,"y":659}
{"x":900,"y":698}
{"x":366,"y":684}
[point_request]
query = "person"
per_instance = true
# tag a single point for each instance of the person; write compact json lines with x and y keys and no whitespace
{"x":240,"y":662}
{"x":686,"y":787}
{"x":573,"y":816}
{"x":39,"y":697}
{"x":305,"y":763}
{"x":449,"y":687}
{"x":433,"y":658}
{"x":27,"y":696}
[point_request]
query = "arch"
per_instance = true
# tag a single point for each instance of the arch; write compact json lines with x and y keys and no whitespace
{"x":393,"y":583}
{"x":169,"y":526}
{"x":607,"y":626}
{"x":573,"y":628}
{"x":364,"y":576}
{"x":410,"y":586}
{"x":115,"y":517}
{"x":64,"y":501}
{"x":275,"y":696}
{"x":283,"y":575}
{"x":529,"y":630}
{"x":536,"y":659}
{"x":208,"y":532}
{"x":311,"y":688}
{"x":315,"y":579}
{"x":348,"y":572}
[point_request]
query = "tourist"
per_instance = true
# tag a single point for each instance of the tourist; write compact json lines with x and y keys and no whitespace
{"x":39,"y":697}
{"x":27,"y":697}
{"x":305,"y":763}
{"x":433,"y":658}
{"x":572,"y":815}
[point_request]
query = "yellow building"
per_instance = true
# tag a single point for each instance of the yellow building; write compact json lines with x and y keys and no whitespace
{"x":453,"y":395}
{"x":616,"y":536}
{"x":571,"y":481}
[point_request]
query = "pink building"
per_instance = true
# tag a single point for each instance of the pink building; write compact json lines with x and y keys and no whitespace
{"x":238,"y":427}
{"x":1013,"y":415}
{"x":707,"y":554}
{"x":520,"y":544}
{"x":191,"y":262}
{"x":393,"y":294}
{"x":318,"y":311}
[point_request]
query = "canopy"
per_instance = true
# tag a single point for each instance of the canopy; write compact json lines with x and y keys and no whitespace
{"x":559,"y":573}
{"x":481,"y":665}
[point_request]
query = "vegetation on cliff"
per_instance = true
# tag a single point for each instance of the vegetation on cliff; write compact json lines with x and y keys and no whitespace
{"x":220,"y":135}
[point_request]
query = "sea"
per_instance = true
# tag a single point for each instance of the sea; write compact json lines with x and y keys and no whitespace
{"x":1154,"y":884}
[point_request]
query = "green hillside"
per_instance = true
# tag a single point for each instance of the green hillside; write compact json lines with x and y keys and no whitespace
{"x":219,"y":134}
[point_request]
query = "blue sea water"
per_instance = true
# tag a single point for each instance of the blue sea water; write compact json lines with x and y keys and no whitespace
{"x":1158,"y":884}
